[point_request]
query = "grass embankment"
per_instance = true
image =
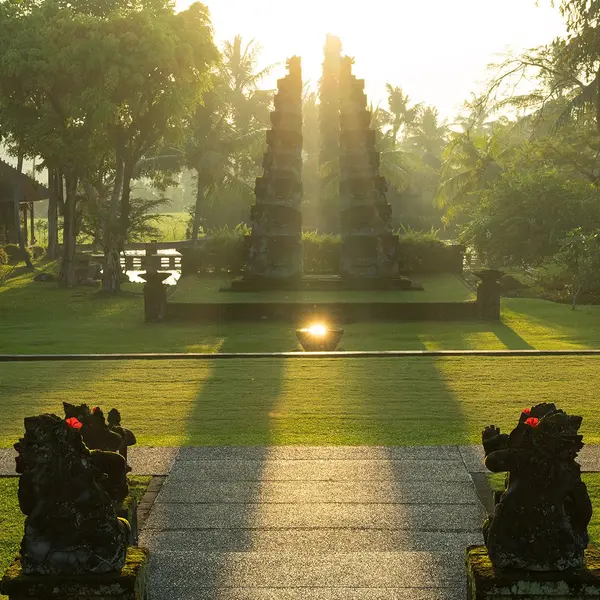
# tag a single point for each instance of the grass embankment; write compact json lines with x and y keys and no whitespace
{"x":591,"y":480}
{"x":11,"y":518}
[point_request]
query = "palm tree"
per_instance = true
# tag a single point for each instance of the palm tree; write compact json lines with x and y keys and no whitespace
{"x":399,"y":113}
{"x":428,"y":137}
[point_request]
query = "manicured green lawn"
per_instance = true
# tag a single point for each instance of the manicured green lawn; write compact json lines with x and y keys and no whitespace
{"x":297,"y":401}
{"x":11,"y":518}
{"x":437,"y":288}
{"x":407,"y":401}
{"x":39,"y":318}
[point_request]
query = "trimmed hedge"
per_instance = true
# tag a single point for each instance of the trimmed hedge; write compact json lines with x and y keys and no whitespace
{"x":224,"y":253}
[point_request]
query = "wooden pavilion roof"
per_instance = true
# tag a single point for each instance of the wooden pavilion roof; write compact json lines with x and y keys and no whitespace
{"x":32,"y":190}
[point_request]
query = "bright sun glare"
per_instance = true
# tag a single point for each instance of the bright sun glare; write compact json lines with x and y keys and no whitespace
{"x":437,"y":51}
{"x":318,"y":330}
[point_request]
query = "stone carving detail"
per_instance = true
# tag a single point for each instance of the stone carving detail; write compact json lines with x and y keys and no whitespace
{"x":540,"y":521}
{"x":370,"y":248}
{"x":96,"y":433}
{"x":71,"y":526}
{"x":275,"y":245}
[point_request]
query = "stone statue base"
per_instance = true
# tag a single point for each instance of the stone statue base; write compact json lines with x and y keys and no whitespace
{"x":128,"y":584}
{"x":484,"y":582}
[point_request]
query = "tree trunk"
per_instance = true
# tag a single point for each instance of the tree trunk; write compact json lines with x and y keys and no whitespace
{"x":199,"y":208}
{"x":128,"y":167}
{"x":111,"y":278}
{"x":53,"y":183}
{"x":66,"y":277}
{"x":18,"y":197}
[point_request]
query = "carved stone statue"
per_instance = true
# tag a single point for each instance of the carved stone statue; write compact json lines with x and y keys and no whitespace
{"x":96,"y":433}
{"x":540,"y":521}
{"x":71,"y":526}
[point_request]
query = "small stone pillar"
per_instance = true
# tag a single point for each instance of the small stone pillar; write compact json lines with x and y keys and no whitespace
{"x":155,"y":296}
{"x":488,"y":294}
{"x":155,"y":292}
{"x":485,"y":582}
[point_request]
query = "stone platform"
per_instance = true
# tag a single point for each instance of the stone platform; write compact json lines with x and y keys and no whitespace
{"x":130,"y":584}
{"x":322,"y":283}
{"x":486,"y":583}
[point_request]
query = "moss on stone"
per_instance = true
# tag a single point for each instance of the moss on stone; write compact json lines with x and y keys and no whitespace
{"x":127,"y":583}
{"x":483,"y":578}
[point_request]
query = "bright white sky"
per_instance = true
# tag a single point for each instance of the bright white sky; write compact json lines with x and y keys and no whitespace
{"x":436,"y":50}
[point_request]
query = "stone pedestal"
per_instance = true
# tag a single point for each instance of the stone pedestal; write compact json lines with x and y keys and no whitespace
{"x":155,"y":297}
{"x":488,"y":294}
{"x":128,"y":584}
{"x":484,"y":582}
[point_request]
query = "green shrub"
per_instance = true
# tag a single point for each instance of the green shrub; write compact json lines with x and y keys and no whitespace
{"x":321,"y":252}
{"x":14,"y":253}
{"x":3,"y":257}
{"x":223,"y":251}
{"x":37,"y":252}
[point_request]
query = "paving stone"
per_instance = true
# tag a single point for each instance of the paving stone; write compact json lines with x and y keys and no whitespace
{"x":315,"y":540}
{"x":319,"y":453}
{"x":589,"y":458}
{"x":174,"y":574}
{"x":337,"y":593}
{"x":7,"y":461}
{"x":473,"y":458}
{"x":445,"y":517}
{"x":320,"y":470}
{"x":191,"y":491}
{"x":146,"y":460}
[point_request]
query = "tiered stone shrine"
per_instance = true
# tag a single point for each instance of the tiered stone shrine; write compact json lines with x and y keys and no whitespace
{"x":370,"y":248}
{"x":275,"y":245}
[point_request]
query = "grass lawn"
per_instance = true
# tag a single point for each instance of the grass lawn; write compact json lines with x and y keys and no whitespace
{"x":11,"y":518}
{"x":438,"y":288}
{"x":409,"y":401}
{"x":298,"y":401}
{"x":591,"y":480}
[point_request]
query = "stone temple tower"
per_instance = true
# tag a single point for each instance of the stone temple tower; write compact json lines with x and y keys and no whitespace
{"x":369,"y":248}
{"x":274,"y":249}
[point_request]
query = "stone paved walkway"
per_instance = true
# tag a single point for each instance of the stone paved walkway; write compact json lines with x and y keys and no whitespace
{"x":326,"y":523}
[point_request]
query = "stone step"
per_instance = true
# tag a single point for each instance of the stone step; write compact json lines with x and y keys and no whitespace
{"x":346,"y":492}
{"x":320,"y":470}
{"x":310,"y":540}
{"x":319,"y":453}
{"x":182,"y":575}
{"x":432,"y":517}
{"x":303,"y":593}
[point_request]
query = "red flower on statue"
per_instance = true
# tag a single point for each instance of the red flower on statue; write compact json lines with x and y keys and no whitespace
{"x":527,"y":411}
{"x":74,"y":423}
{"x":532,"y":422}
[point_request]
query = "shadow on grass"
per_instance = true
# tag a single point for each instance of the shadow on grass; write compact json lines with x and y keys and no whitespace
{"x":510,"y":338}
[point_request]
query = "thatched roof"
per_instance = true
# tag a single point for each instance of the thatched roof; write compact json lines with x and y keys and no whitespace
{"x":32,"y":190}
